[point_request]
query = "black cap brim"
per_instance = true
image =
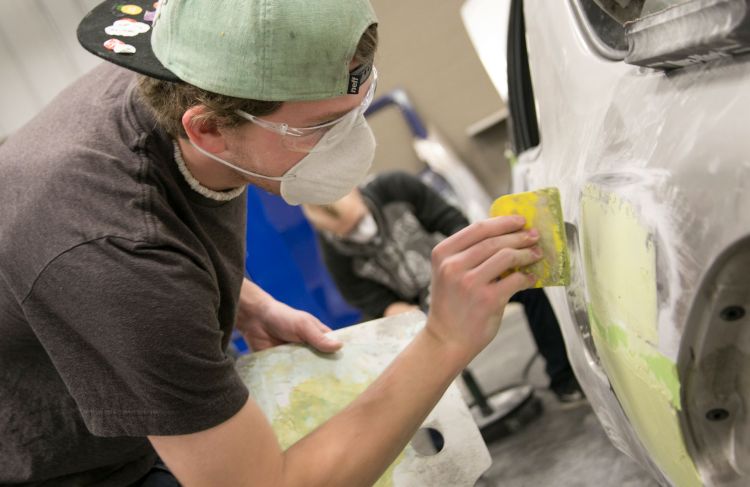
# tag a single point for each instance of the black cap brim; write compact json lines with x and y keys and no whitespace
{"x":92,"y":37}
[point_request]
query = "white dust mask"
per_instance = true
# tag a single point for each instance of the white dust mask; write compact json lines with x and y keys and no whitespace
{"x":365,"y":230}
{"x":320,"y":178}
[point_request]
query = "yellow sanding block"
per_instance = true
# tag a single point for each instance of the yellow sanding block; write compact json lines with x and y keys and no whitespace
{"x":542,"y":211}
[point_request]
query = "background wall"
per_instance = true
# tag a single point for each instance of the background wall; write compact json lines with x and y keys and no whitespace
{"x":39,"y":55}
{"x":424,"y":48}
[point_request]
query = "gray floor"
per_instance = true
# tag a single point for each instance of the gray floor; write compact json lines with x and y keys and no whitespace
{"x":565,"y":447}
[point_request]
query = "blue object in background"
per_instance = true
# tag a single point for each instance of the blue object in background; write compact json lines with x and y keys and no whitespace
{"x":283,"y":258}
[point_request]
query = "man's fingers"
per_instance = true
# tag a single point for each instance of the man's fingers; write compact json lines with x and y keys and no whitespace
{"x":477,"y":254}
{"x":510,"y":285}
{"x":504,"y":260}
{"x":322,"y":327}
{"x":327,"y":332}
{"x":257,"y":344}
{"x":313,"y":332}
{"x":471,"y":235}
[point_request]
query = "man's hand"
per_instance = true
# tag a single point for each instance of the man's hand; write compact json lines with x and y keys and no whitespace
{"x":399,"y":307}
{"x":468,"y":295}
{"x":265,"y":323}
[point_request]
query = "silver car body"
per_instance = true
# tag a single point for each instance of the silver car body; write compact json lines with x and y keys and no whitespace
{"x":654,"y":173}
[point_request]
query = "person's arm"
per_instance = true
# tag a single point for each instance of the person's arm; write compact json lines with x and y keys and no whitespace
{"x":468,"y":301}
{"x":430,"y":208}
{"x":368,"y":296}
{"x":399,"y":307}
{"x":265,"y":322}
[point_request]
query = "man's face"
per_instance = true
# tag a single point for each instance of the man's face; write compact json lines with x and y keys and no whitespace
{"x":262,"y":151}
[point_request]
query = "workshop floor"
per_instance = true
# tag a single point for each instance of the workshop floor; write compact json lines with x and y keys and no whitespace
{"x":564,"y":447}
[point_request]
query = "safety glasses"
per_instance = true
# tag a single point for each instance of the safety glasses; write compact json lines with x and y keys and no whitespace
{"x":320,"y":137}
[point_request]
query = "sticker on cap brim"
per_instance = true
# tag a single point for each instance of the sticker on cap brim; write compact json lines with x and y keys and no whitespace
{"x":139,"y":27}
{"x":110,"y":44}
{"x":119,"y":47}
{"x":124,"y":49}
{"x":149,"y":15}
{"x":130,"y":9}
{"x":127,"y":28}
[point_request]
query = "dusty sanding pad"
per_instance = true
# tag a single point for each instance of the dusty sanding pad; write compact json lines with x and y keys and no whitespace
{"x":542,"y":211}
{"x":299,"y":389}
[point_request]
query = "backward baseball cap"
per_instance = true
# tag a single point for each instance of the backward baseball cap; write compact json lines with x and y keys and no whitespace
{"x":270,"y":50}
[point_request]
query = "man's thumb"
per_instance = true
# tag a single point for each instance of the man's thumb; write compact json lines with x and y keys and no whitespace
{"x":323,"y":342}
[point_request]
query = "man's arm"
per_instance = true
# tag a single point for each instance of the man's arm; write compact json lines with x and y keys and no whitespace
{"x":468,"y":301}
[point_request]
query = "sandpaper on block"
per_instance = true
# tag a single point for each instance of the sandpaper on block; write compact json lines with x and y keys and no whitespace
{"x":543,"y":211}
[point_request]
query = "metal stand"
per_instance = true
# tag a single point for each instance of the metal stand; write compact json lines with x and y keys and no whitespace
{"x":503,"y":413}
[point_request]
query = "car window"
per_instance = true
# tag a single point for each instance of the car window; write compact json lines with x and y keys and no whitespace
{"x":607,"y":34}
{"x":655,"y":6}
{"x":605,"y":21}
{"x":624,"y":11}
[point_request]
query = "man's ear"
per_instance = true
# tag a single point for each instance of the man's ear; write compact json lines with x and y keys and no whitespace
{"x":203,"y":132}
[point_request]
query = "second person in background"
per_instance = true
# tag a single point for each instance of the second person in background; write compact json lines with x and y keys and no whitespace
{"x":377,"y":241}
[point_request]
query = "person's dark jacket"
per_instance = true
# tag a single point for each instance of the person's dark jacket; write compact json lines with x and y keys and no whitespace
{"x":412,"y":218}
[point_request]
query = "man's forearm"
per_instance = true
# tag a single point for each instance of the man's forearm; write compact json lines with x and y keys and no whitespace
{"x":252,"y":297}
{"x":253,"y":303}
{"x":358,"y":444}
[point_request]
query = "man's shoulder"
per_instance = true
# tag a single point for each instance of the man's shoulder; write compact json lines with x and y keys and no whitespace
{"x":87,"y":147}
{"x":77,"y":172}
{"x":95,"y":108}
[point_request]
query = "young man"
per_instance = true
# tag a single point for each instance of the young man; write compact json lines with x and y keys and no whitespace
{"x":121,"y":253}
{"x":376,"y":242}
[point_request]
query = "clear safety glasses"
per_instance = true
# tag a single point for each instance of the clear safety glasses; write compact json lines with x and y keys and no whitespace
{"x":320,"y":137}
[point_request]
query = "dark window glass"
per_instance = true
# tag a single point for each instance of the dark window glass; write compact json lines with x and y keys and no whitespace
{"x":608,"y":30}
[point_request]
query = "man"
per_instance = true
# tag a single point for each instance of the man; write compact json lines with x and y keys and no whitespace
{"x":376,"y":242}
{"x":121,"y":252}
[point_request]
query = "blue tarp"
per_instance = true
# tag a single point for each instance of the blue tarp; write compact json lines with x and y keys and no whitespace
{"x":283,"y":258}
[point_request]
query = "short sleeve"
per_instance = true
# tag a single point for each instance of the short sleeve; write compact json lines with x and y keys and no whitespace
{"x":133,"y":330}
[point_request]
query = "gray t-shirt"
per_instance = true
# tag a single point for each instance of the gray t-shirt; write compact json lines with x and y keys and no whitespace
{"x":118,"y":292}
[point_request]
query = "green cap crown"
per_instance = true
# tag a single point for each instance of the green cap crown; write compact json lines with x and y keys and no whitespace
{"x":273,"y":50}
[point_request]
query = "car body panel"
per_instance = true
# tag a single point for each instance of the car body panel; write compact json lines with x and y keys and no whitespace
{"x":620,"y":267}
{"x":653,"y":169}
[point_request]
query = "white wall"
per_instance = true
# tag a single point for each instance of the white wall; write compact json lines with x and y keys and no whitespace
{"x":425,"y":49}
{"x":39,"y":55}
